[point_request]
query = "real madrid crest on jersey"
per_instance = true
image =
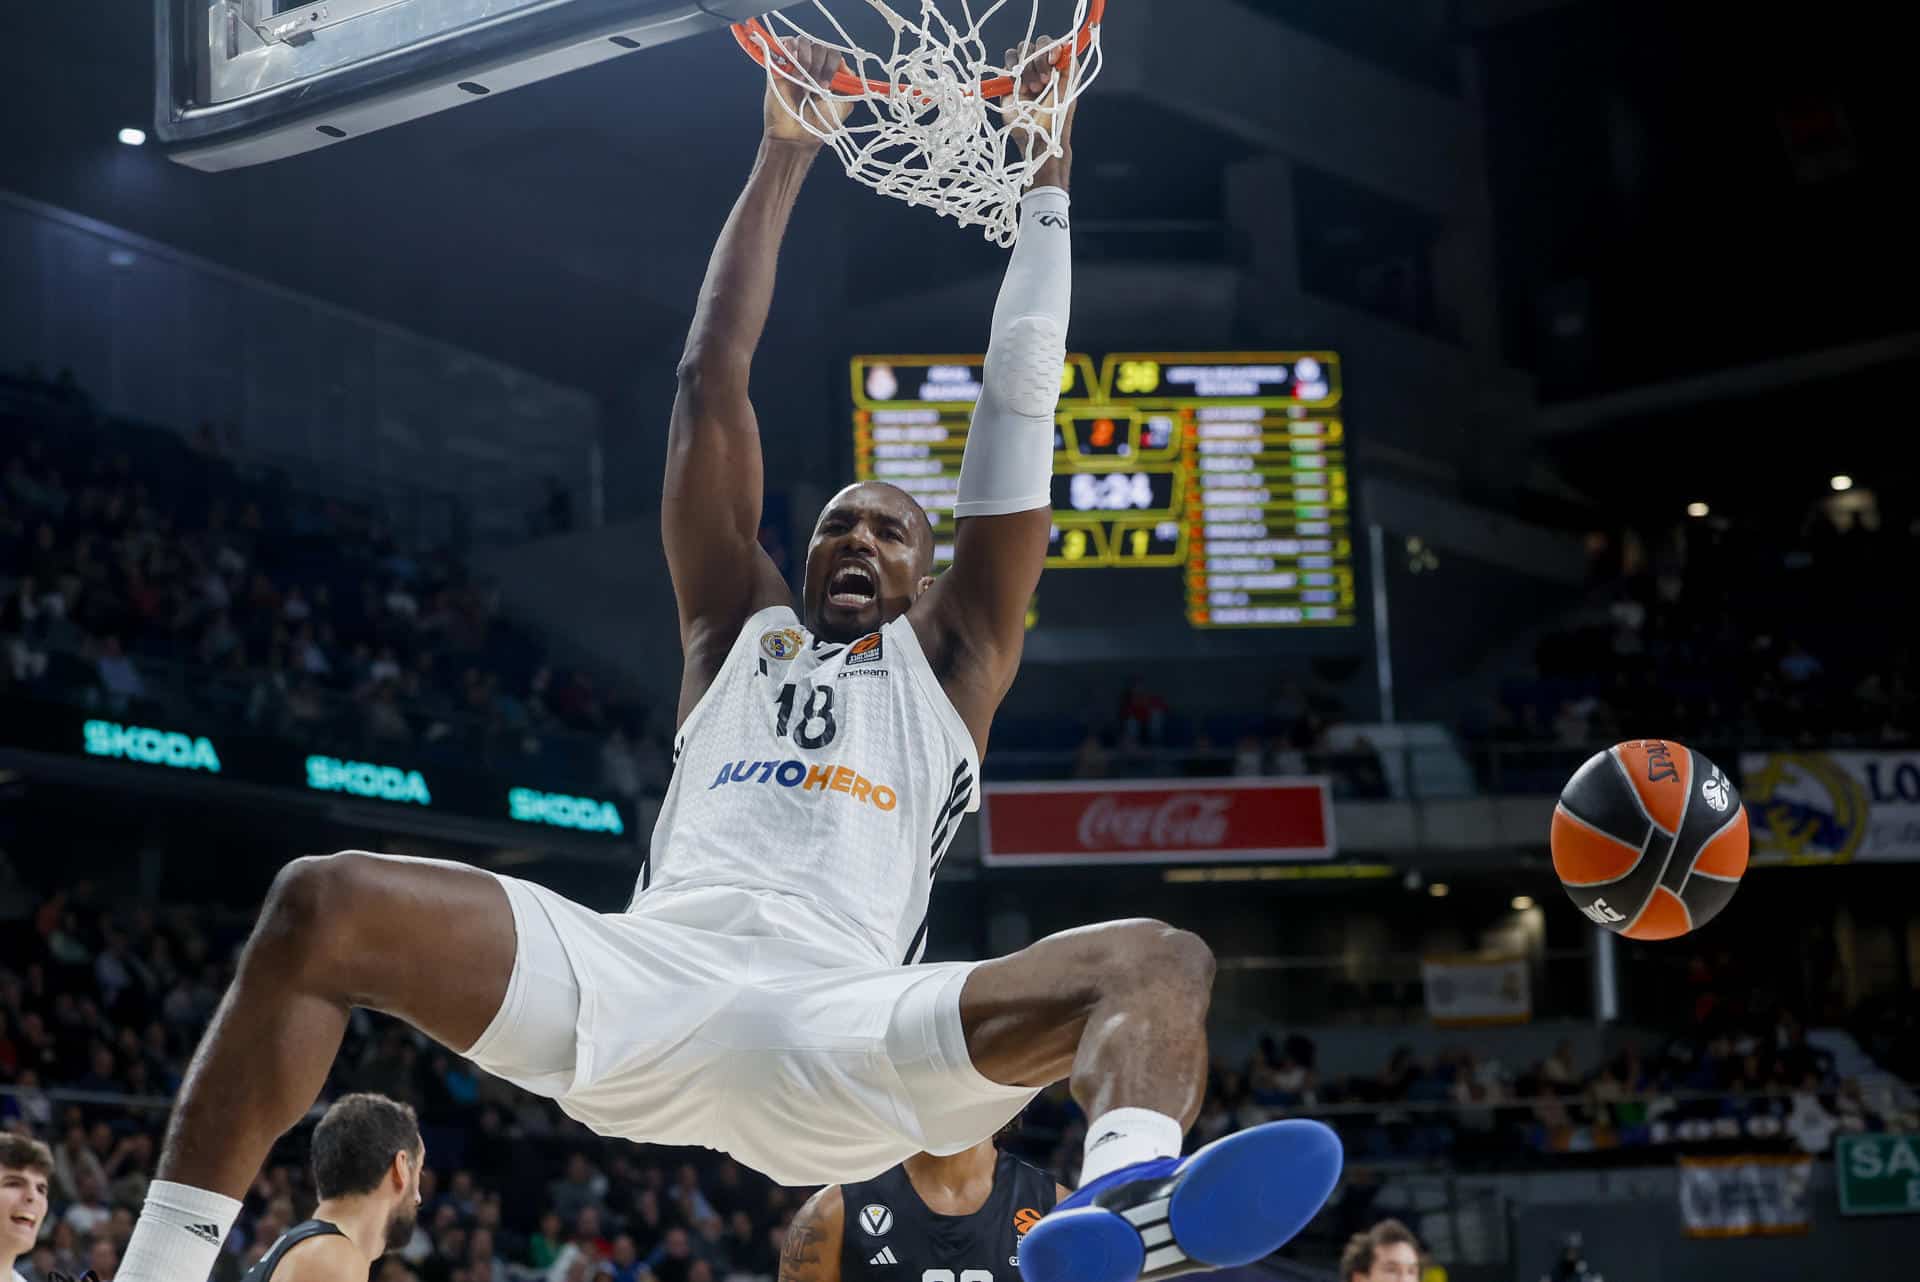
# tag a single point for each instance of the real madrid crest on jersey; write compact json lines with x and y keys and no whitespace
{"x":781,"y":643}
{"x":875,"y":1219}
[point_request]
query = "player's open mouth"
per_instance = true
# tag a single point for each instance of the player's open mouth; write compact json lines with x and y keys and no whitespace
{"x":852,"y":587}
{"x":27,"y":1220}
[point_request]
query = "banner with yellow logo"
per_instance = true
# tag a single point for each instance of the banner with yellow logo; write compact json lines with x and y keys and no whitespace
{"x":1832,"y":807}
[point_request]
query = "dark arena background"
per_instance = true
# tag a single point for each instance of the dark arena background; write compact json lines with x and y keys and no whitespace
{"x":1456,"y":388}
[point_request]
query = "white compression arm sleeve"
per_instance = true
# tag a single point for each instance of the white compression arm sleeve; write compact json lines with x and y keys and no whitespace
{"x":1008,"y":465}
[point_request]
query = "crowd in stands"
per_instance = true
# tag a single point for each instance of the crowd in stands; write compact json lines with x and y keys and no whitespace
{"x":149,"y":573}
{"x":1720,"y":632}
{"x":1734,"y":631}
{"x":1887,"y":1026}
{"x":1291,"y":733}
{"x":1741,"y":1081}
{"x":151,"y":576}
{"x":99,"y":1011}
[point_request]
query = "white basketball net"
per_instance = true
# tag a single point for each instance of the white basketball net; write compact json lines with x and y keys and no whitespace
{"x":935,"y":140}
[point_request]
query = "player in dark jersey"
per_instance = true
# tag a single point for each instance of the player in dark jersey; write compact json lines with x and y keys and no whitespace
{"x":367,"y":1155}
{"x":929,"y":1219}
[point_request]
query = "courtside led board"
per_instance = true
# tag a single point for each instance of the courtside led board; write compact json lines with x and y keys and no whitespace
{"x":1231,"y":466}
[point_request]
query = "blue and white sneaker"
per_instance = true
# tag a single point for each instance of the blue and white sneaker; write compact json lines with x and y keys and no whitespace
{"x":1235,"y":1201}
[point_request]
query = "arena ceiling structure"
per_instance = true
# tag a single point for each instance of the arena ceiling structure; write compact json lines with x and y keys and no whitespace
{"x":560,"y":228}
{"x":592,"y":196}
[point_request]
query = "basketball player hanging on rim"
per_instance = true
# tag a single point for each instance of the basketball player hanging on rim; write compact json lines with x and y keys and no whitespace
{"x":760,"y":994}
{"x":961,"y":1216}
{"x":367,"y":1156}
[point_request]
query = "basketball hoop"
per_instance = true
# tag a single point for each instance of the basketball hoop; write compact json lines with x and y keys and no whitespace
{"x":935,"y":118}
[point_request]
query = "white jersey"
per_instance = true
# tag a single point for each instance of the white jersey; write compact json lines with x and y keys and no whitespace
{"x":834,"y":773}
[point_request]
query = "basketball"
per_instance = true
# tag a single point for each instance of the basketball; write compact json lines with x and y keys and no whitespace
{"x":1649,"y":839}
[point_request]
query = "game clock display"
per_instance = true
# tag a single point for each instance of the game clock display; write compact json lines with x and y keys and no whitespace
{"x":1227,"y":466}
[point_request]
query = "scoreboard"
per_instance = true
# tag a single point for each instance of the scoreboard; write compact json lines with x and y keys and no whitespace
{"x":1228,"y":468}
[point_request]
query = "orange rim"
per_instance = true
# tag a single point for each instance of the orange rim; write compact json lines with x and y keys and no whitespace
{"x":845,"y":82}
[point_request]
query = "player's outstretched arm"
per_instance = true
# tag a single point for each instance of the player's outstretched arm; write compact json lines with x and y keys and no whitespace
{"x":710,"y":508}
{"x":812,"y":1249}
{"x":972,"y":621}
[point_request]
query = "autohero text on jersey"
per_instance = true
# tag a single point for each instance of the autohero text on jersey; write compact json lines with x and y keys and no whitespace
{"x":808,"y":778}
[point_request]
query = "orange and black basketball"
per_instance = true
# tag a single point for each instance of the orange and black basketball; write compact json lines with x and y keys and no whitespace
{"x":1649,"y":839}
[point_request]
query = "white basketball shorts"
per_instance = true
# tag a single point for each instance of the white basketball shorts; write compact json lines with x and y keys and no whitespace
{"x":732,"y":1019}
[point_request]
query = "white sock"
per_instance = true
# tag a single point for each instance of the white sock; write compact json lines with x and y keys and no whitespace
{"x":1125,"y":1136}
{"x":179,"y":1234}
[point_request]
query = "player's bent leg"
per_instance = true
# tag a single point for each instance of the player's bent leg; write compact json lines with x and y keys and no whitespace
{"x":433,"y":943}
{"x":1121,"y":1009}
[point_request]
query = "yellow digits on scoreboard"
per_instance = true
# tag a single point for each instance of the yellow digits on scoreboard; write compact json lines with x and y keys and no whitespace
{"x":1137,"y":378}
{"x":1073,"y":544}
{"x":1066,"y":378}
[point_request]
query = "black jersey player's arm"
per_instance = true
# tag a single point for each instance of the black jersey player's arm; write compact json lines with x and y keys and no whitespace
{"x":811,"y":1252}
{"x":974,"y":620}
{"x":710,"y":507}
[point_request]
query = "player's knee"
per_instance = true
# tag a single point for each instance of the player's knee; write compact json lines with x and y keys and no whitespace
{"x":1146,"y":953}
{"x":1179,"y":956}
{"x":313,"y":900}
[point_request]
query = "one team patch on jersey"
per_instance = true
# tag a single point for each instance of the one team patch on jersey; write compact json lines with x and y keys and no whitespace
{"x":865,"y":650}
{"x":876,"y":1219}
{"x":781,"y":643}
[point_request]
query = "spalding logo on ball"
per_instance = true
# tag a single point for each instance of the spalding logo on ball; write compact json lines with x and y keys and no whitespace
{"x":1649,"y":839}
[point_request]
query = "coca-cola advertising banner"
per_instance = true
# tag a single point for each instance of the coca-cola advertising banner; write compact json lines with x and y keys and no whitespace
{"x":1176,"y":822}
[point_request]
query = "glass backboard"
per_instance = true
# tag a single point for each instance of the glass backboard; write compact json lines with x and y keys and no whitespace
{"x":242,"y":82}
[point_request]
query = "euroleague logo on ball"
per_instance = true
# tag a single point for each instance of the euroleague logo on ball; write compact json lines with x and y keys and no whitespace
{"x":1714,"y":791}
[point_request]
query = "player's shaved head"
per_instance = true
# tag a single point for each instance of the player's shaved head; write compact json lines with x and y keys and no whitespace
{"x":870,"y":556}
{"x":902,"y":502}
